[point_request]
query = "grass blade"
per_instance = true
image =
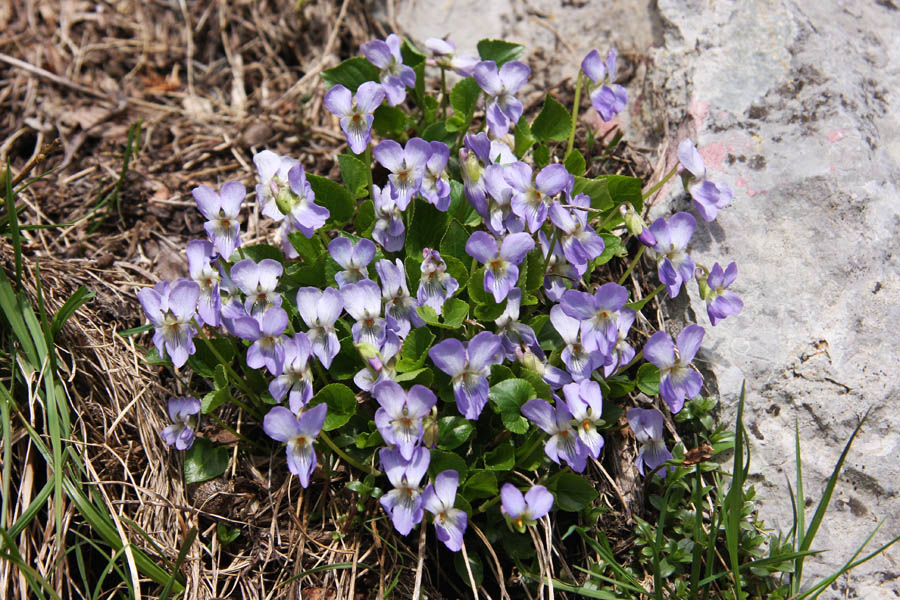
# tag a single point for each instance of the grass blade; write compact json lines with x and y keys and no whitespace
{"x":182,"y":554}
{"x":734,"y":501}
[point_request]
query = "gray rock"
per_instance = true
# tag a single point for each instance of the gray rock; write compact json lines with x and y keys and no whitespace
{"x":794,"y":104}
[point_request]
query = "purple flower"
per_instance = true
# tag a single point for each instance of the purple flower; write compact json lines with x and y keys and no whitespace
{"x":281,"y":425}
{"x":721,"y":303}
{"x":598,"y":315}
{"x":319,"y":309}
{"x":355,"y":112}
{"x":607,"y":98}
{"x":388,"y":230}
{"x":503,"y":109}
{"x":564,"y":442}
{"x":404,"y":502}
{"x":580,"y":244}
{"x":558,"y":269}
{"x":647,"y":425}
{"x":395,"y":76}
{"x":522,"y":511}
{"x":221,"y":213}
{"x":258,"y":282}
{"x":621,"y":352}
{"x":273,"y":176}
{"x":446,"y":57}
{"x":264,"y":331}
{"x":709,"y":198}
{"x":305,"y":215}
{"x":181,"y":433}
{"x":450,"y":523}
{"x":495,"y":207}
{"x":579,"y":362}
{"x":585,"y":402}
{"x":362,"y":301}
{"x":296,"y":380}
{"x":380,"y":364}
{"x":435,"y":187}
{"x":435,"y":284}
{"x":468,"y":367}
{"x":209,"y":304}
{"x":674,"y":265}
{"x":354,"y":259}
{"x":501,"y":269}
{"x":531,"y":198}
{"x":472,"y":158}
{"x":407,"y":167}
{"x":513,"y":333}
{"x":677,"y":379}
{"x":554,"y":377}
{"x":398,"y":304}
{"x":399,"y":420}
{"x":170,"y":307}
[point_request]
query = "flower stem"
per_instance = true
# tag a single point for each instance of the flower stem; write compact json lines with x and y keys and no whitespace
{"x":571,"y":143}
{"x":235,"y":378}
{"x":550,"y":251}
{"x":367,"y":157}
{"x":346,"y":457}
{"x":637,"y":258}
{"x":444,"y":92}
{"x":661,"y":183}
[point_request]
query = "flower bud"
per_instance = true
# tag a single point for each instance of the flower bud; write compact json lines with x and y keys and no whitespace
{"x":647,"y":238}
{"x":634,"y":222}
{"x":367,"y":351}
{"x":430,"y":424}
{"x":285,"y":200}
{"x":528,"y":360}
{"x":472,"y":169}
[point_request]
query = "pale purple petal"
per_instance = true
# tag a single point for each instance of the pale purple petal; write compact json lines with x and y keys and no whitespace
{"x":484,"y":350}
{"x":541,"y":413}
{"x":281,"y":425}
{"x":339,"y":100}
{"x":690,"y":159}
{"x":660,"y":350}
{"x":593,"y":67}
{"x":689,"y":342}
{"x":482,"y":247}
{"x":539,"y":501}
{"x":512,"y":500}
{"x":449,"y":356}
{"x":515,"y":247}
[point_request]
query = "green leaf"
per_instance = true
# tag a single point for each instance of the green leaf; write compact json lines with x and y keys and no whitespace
{"x":203,"y":461}
{"x":475,"y":566}
{"x":427,"y":227}
{"x":355,"y":175}
{"x":541,"y":388}
{"x":612,"y":247}
{"x":501,"y":458}
{"x":443,"y":461}
{"x":411,"y":55}
{"x":334,"y":197}
{"x":204,"y":361}
{"x":351,"y":73}
{"x":573,"y":492}
{"x":454,"y":311}
{"x":214,"y":400}
{"x":460,"y":207}
{"x":535,"y":266}
{"x":575,"y":163}
{"x":454,"y":242}
{"x":415,"y":349}
{"x":227,"y":534}
{"x":365,"y":218}
{"x":541,"y":155}
{"x":457,"y":270}
{"x":220,"y":377}
{"x":617,"y":386}
{"x":476,"y":288}
{"x":260,"y":251}
{"x":390,"y":121}
{"x":553,"y":122}
{"x":596,"y":189}
{"x":624,"y":189}
{"x":488,"y":312}
{"x":438,"y":132}
{"x":453,"y":432}
{"x":480,"y":484}
{"x":309,"y":249}
{"x":524,"y":139}
{"x":648,"y":379}
{"x":508,"y":396}
{"x":499,"y":51}
{"x":464,"y":99}
{"x":341,"y":404}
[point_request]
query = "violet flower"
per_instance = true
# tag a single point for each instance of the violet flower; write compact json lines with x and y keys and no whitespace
{"x":496,"y":208}
{"x":435,"y":284}
{"x":221,"y":212}
{"x":647,"y":425}
{"x":404,"y":502}
{"x":674,"y":264}
{"x":564,"y":442}
{"x":362,"y":301}
{"x":398,"y":304}
{"x":552,"y":376}
{"x":580,"y":244}
{"x":295,"y":381}
{"x":304,"y":214}
{"x":389,"y":230}
{"x":355,"y":112}
{"x":438,"y":499}
{"x":607,"y":98}
{"x":502,"y":108}
{"x":273,"y":176}
{"x":579,"y":362}
{"x":399,"y":420}
{"x":585,"y":402}
{"x":281,"y":425}
{"x":521,"y":511}
{"x":354,"y":258}
{"x":721,"y":303}
{"x":468,"y":367}
{"x":380,"y":365}
{"x":319,"y":309}
{"x":709,"y":198}
{"x":264,"y":331}
{"x":407,"y":167}
{"x":446,"y":57}
{"x":501,"y":269}
{"x":473,"y":157}
{"x":677,"y":379}
{"x":531,"y":198}
{"x":621,"y":352}
{"x":170,"y":308}
{"x":181,"y":432}
{"x":435,"y":187}
{"x":258,"y":282}
{"x":513,"y":333}
{"x":209,"y":304}
{"x":598,"y":315}
{"x":394,"y":75}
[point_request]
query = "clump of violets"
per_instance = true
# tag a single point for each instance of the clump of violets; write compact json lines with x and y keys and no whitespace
{"x":181,"y":432}
{"x":709,"y":198}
